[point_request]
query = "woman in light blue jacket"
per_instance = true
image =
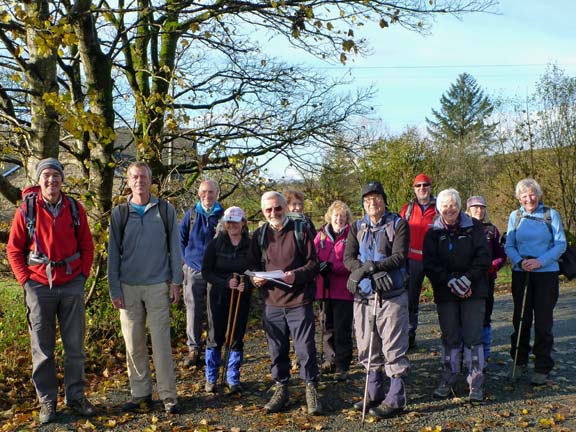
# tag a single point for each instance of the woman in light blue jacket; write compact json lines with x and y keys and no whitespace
{"x":534,"y":243}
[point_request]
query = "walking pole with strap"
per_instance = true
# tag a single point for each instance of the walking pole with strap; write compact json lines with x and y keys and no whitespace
{"x":372,"y":325}
{"x":227,"y":338}
{"x":520,"y":325}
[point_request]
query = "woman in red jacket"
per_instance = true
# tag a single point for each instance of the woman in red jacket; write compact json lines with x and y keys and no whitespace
{"x":336,"y":303}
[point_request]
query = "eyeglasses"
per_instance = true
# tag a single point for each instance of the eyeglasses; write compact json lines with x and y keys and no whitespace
{"x":276,"y":209}
{"x":374,"y":199}
{"x":421,"y":185}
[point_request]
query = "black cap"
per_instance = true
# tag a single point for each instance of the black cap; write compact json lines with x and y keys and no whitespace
{"x":373,"y":187}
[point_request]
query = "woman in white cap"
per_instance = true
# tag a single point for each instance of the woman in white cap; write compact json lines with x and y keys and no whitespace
{"x":476,"y":207}
{"x":225,"y":261}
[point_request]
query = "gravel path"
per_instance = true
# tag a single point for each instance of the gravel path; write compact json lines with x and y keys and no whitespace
{"x":508,"y":407}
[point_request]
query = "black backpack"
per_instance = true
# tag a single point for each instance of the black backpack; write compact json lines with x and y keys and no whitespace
{"x":30,"y":215}
{"x":125,"y":214}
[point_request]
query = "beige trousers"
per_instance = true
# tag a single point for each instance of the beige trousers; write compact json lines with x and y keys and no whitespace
{"x":148,"y":304}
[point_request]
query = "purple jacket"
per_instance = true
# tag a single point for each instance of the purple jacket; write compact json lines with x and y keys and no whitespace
{"x":331,"y":250}
{"x":496,"y":249}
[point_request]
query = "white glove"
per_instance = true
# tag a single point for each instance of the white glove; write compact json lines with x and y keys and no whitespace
{"x":461,"y":286}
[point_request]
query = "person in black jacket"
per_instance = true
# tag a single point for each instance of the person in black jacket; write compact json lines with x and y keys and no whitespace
{"x":456,"y":261}
{"x":223,"y":265}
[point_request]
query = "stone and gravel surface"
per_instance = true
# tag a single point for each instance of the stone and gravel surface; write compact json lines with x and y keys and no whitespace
{"x":508,"y":406}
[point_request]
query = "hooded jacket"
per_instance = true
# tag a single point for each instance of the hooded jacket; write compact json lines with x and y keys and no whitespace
{"x":54,"y":237}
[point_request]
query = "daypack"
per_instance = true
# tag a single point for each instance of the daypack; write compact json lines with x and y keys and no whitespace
{"x":299,"y":226}
{"x":398,"y":277}
{"x":567,"y":261}
{"x":411,"y":206}
{"x":38,"y":257}
{"x":30,"y":215}
{"x":125,"y":214}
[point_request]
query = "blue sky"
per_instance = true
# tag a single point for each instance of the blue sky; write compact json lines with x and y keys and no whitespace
{"x":507,"y":53}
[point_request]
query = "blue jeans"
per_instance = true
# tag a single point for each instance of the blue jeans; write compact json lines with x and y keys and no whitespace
{"x":279,"y":324}
{"x":43,"y":307}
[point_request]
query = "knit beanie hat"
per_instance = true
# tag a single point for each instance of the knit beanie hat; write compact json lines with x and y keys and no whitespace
{"x":49,"y":163}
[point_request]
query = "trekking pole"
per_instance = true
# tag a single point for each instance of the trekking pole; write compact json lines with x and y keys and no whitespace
{"x":372,"y":325}
{"x":236,"y":313}
{"x":322,"y":307}
{"x":520,"y":325}
{"x":227,"y":336}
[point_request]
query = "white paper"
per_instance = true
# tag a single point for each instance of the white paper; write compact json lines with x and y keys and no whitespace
{"x":274,"y":275}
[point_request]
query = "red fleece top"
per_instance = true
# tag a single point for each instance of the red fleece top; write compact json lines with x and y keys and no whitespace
{"x":55,"y":237}
{"x":419,"y":224}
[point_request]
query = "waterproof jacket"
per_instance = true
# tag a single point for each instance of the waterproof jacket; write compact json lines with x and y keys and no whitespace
{"x":193,"y":240}
{"x":282,"y":254}
{"x":392,"y":255}
{"x":450,"y":253}
{"x":142,"y":254}
{"x":222,"y":259}
{"x":532,"y":237}
{"x":55,"y":237}
{"x":495,"y":247}
{"x":419,"y":223}
{"x":331,"y":249}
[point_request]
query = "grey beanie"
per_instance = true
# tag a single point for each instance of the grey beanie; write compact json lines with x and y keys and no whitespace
{"x":49,"y":163}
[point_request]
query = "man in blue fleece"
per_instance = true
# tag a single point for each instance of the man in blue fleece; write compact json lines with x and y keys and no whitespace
{"x":196,"y":229}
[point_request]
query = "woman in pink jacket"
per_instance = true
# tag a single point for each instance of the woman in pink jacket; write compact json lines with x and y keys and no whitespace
{"x":336,"y":303}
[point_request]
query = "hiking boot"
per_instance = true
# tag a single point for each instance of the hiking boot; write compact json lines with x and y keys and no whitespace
{"x":443,"y":391}
{"x":47,"y":412}
{"x":476,"y":395}
{"x":385,"y":411}
{"x":312,"y":402}
{"x":327,"y":367}
{"x":371,"y":404}
{"x":539,"y":379}
{"x":210,"y":387}
{"x":279,"y":399}
{"x":136,"y":403}
{"x":171,"y":406}
{"x":82,"y":406}
{"x":193,"y":358}
{"x":520,"y":371}
{"x":234,"y":389}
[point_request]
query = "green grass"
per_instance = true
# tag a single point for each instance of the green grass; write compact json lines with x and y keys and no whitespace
{"x":13,"y":328}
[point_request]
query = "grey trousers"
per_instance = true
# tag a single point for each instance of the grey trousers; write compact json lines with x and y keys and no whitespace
{"x":44,"y":306}
{"x":195,"y":289}
{"x":390,"y":341}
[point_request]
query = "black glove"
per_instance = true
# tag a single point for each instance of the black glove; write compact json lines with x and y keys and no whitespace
{"x":325,"y":268}
{"x":357,"y":275}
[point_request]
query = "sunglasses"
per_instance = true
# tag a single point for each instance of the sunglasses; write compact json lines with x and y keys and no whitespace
{"x":421,"y":185}
{"x":276,"y":209}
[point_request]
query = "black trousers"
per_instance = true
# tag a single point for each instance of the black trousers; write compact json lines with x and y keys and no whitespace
{"x":337,"y":316}
{"x":218,"y":310}
{"x":541,"y":297}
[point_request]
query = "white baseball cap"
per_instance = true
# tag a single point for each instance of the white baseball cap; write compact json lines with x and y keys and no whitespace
{"x":233,"y":214}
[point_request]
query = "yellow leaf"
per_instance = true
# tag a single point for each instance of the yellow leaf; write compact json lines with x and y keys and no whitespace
{"x":154,"y":419}
{"x":524,"y":411}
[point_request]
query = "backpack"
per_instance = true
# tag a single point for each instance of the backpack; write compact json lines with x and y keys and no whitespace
{"x":411,"y":206}
{"x":567,"y":261}
{"x":299,"y":226}
{"x":30,"y":215}
{"x":125,"y":214}
{"x":389,"y":228}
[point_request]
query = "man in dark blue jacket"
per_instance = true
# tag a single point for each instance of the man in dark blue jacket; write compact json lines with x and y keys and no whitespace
{"x":196,"y":229}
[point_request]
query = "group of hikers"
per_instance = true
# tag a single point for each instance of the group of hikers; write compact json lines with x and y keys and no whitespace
{"x":366,"y":275}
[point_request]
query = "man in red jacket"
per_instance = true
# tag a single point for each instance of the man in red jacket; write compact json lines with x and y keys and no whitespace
{"x":419,"y":213}
{"x":50,"y":250}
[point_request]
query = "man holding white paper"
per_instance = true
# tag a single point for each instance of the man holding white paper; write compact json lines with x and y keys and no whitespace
{"x":280,"y":246}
